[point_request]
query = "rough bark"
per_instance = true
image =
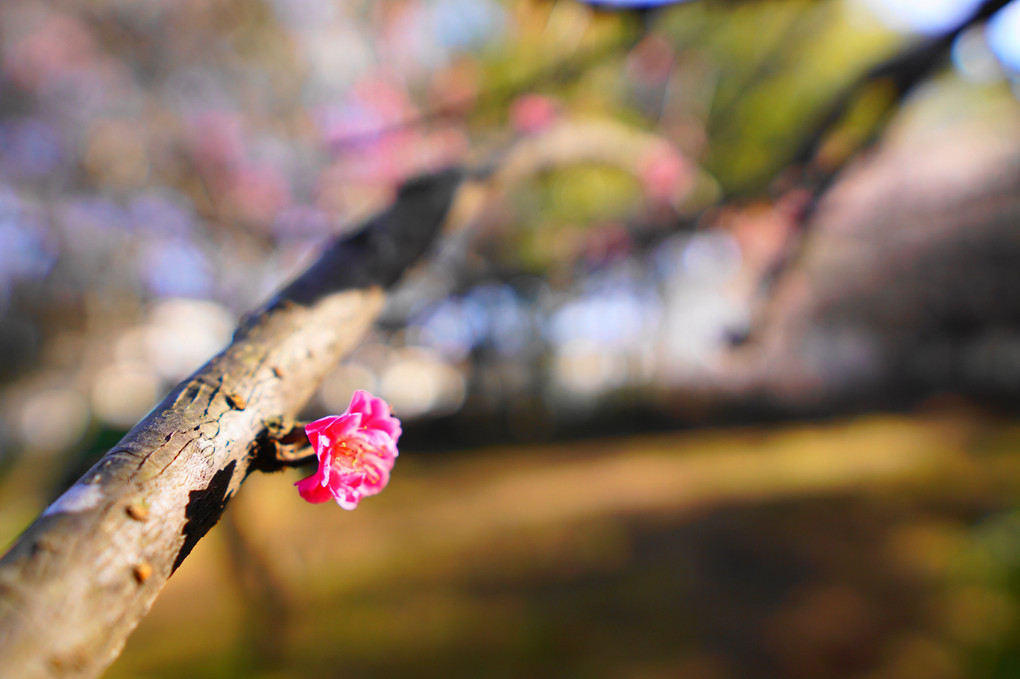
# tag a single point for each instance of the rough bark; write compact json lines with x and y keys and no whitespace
{"x":76,"y":583}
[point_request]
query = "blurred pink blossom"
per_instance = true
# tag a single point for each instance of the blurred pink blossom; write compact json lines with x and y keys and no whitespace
{"x":664,"y":173}
{"x":216,"y":139}
{"x":258,"y":192}
{"x":533,"y":113}
{"x":356,"y":452}
{"x":53,"y":50}
{"x":379,"y":139}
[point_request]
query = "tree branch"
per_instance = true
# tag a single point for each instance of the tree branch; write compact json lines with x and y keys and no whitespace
{"x":904,"y":71}
{"x":77,"y":582}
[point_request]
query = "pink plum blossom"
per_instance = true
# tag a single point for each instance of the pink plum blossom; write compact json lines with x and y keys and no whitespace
{"x":532,"y":113}
{"x":664,"y":173}
{"x":356,"y":452}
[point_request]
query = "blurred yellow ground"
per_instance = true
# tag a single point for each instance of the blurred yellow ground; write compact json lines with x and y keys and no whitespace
{"x":853,"y":548}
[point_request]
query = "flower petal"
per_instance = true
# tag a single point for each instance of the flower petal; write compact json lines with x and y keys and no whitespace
{"x":351,"y":480}
{"x":356,"y":452}
{"x":314,"y":429}
{"x":377,"y":474}
{"x":348,"y":502}
{"x":342,"y":427}
{"x":347,"y":488}
{"x":376,"y":438}
{"x":361,"y":402}
{"x":312,"y":491}
{"x":376,"y":413}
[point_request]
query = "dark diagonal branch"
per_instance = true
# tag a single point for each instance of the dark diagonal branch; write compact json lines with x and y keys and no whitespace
{"x":901,"y":73}
{"x":814,"y":167}
{"x":76,"y":583}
